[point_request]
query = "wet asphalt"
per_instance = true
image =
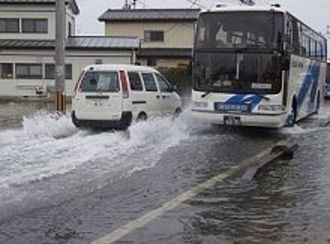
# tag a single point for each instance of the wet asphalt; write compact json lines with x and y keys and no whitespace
{"x":62,"y":185}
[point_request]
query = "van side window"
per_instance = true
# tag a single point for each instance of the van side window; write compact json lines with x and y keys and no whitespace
{"x":163,"y":83}
{"x":135,"y":80}
{"x":149,"y":82}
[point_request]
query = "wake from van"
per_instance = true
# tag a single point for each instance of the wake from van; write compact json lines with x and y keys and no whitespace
{"x":48,"y":149}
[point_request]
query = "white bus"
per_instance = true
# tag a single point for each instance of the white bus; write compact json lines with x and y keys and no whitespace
{"x":256,"y":66}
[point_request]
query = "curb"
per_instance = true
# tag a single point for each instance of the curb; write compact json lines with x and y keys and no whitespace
{"x":281,"y":149}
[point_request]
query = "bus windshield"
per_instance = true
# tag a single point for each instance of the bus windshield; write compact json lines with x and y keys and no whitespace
{"x":239,"y":52}
{"x":240,"y":30}
{"x":238,"y":72}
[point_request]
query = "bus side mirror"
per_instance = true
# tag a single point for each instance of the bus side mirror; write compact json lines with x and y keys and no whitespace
{"x":285,"y":64}
{"x":190,"y":68}
{"x":286,"y":38}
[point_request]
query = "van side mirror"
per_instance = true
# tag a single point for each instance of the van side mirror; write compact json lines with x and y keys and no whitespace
{"x":172,"y":89}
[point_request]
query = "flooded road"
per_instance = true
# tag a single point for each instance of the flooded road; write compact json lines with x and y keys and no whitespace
{"x":63,"y":185}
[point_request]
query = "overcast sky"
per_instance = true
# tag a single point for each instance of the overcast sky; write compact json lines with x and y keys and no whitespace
{"x":315,"y":13}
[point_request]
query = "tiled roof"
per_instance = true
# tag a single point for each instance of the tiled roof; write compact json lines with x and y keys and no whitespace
{"x":72,"y":3}
{"x":130,"y":15}
{"x":77,"y":42}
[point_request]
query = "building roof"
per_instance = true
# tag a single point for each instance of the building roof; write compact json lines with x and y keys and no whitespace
{"x":77,"y":42}
{"x":132,"y":15}
{"x":73,"y":4}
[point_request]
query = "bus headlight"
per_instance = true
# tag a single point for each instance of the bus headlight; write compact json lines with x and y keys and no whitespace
{"x":201,"y":104}
{"x":271,"y":108}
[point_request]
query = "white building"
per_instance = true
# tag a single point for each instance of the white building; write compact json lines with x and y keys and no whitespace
{"x":27,"y":48}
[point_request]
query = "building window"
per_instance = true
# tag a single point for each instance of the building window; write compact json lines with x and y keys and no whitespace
{"x":9,"y":25}
{"x":50,"y":71}
{"x":6,"y":71}
{"x":154,"y":36}
{"x":34,"y":25}
{"x":98,"y":61}
{"x":28,"y":71}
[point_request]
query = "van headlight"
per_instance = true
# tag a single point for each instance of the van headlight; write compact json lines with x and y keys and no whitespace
{"x":271,"y":108}
{"x":201,"y":104}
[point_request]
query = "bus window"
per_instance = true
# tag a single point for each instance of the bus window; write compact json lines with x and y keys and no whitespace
{"x":240,"y":30}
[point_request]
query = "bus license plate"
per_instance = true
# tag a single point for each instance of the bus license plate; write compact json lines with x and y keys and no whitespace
{"x":232,"y":121}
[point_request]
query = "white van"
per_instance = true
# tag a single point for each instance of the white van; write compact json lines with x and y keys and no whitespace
{"x":111,"y":96}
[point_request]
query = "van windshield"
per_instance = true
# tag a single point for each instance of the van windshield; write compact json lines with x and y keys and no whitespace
{"x":95,"y":81}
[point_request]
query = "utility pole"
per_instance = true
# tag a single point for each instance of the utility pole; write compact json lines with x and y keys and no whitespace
{"x":60,"y":97}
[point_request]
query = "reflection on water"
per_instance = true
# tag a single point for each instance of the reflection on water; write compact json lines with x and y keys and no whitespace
{"x":287,"y":203}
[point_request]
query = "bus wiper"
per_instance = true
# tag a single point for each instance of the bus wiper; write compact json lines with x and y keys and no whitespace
{"x":100,"y":90}
{"x":205,"y":94}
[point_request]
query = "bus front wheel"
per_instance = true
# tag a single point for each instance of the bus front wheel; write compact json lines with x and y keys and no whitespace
{"x":293,"y":114}
{"x":318,"y":103}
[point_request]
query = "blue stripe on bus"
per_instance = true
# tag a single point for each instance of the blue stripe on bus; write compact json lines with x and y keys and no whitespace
{"x":310,"y":82}
{"x":315,"y":78}
{"x":252,"y":100}
{"x":236,"y":99}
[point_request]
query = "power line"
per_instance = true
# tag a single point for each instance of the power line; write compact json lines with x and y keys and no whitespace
{"x":164,"y":15}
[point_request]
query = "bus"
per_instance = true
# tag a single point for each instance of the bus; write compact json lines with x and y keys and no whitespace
{"x":256,"y":66}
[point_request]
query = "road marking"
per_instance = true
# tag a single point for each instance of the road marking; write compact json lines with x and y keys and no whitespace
{"x":172,"y":204}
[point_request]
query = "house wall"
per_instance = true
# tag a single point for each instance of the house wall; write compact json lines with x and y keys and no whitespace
{"x":77,"y":58}
{"x":176,"y":34}
{"x":34,"y":11}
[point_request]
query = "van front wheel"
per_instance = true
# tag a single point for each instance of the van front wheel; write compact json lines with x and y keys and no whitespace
{"x":177,"y":113}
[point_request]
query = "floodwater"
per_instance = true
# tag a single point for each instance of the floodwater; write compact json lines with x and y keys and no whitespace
{"x":63,"y":185}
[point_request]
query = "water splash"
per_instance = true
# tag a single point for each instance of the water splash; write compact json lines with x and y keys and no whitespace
{"x":49,"y":145}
